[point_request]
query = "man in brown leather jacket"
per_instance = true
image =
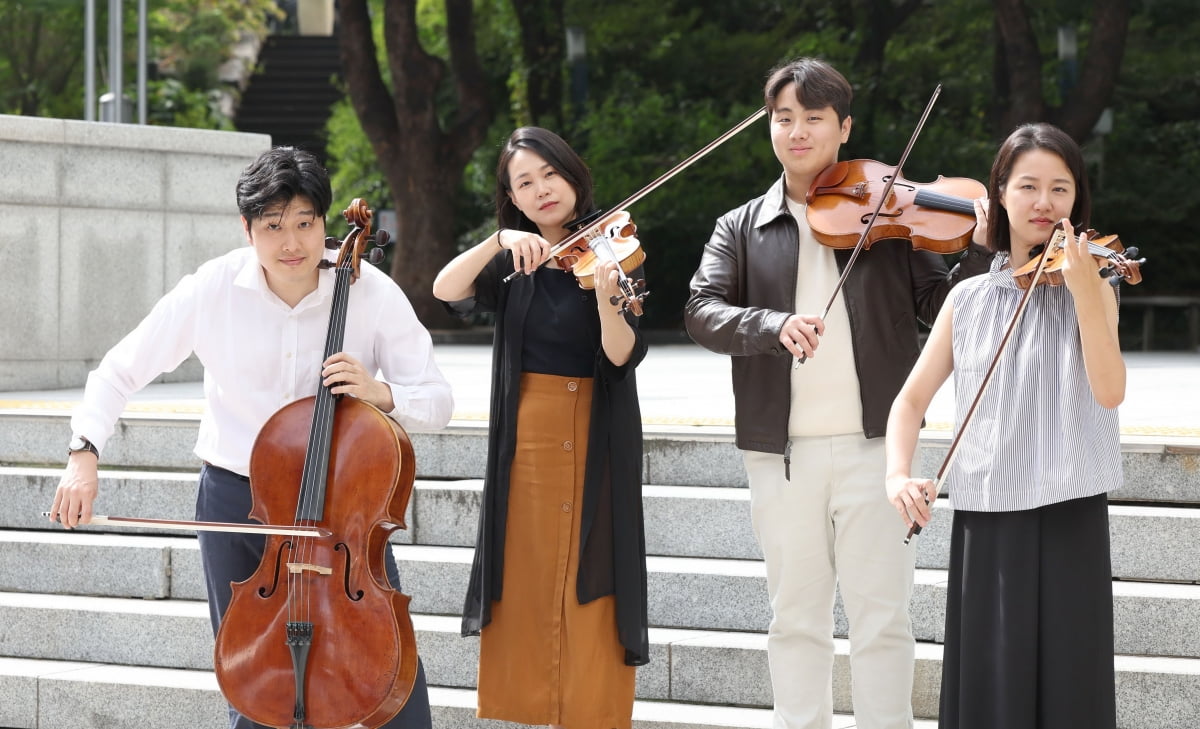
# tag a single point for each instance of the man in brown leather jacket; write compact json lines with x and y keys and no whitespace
{"x":811,"y":434}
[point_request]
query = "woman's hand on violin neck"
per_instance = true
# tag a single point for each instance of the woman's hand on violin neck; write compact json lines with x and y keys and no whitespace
{"x":616,"y":335}
{"x":1079,"y":269}
{"x":345,"y":375}
{"x":913,"y":499}
{"x":529,"y":250}
{"x":801,"y":334}
{"x":979,"y":236}
{"x":608,"y":285}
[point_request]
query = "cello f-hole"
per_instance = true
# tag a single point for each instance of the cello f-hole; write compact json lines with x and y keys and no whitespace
{"x":263,"y":592}
{"x":355,"y":595}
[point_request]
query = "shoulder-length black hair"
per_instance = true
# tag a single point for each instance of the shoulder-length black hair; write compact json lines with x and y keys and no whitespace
{"x":1023,"y":139}
{"x":559,"y":155}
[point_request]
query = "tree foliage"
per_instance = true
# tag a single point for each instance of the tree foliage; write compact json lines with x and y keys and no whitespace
{"x":663,"y":79}
{"x":42,"y":56}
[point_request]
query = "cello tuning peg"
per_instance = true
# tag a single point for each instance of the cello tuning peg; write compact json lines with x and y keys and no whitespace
{"x":332,"y":243}
{"x":326,"y":264}
{"x":375,"y":256}
{"x":381,"y":238}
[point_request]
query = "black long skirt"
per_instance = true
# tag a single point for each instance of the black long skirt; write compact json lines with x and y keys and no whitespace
{"x":1029,"y":619}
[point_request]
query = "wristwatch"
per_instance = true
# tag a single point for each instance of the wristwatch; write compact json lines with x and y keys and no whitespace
{"x":79,"y":443}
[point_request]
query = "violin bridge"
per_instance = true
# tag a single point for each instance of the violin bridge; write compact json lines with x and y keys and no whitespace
{"x":297,"y":567}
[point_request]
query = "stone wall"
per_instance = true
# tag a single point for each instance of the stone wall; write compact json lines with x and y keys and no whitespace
{"x":99,"y":221}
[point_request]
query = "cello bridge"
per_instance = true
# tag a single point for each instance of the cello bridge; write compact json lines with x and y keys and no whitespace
{"x":297,"y":567}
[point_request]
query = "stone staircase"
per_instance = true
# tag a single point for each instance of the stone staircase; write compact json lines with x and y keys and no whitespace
{"x":291,"y":91}
{"x":105,"y":628}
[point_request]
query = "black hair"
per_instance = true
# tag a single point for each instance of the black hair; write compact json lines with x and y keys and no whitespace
{"x":277,"y":176}
{"x":559,"y":155}
{"x":818,"y":85}
{"x":1024,"y":139}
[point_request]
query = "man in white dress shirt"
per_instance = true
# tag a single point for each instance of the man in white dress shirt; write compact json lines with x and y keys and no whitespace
{"x":256,"y":318}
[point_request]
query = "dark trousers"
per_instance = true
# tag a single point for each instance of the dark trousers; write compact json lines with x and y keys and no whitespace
{"x":226,"y":557}
{"x":1029,"y":619}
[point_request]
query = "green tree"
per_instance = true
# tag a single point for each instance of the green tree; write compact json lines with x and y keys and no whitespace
{"x":41,"y":58}
{"x":422,"y":146}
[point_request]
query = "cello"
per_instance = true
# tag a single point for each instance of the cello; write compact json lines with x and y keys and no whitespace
{"x":316,"y":637}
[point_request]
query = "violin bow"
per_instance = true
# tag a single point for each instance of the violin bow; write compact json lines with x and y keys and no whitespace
{"x":657,"y":183}
{"x":887,"y":189}
{"x":207,"y":526}
{"x":944,"y":470}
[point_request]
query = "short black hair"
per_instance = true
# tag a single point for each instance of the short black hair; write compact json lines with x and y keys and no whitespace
{"x":818,"y":85}
{"x":277,"y":176}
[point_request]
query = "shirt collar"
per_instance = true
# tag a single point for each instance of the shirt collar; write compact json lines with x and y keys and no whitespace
{"x":774,"y":204}
{"x":1000,"y":273}
{"x":251,"y":276}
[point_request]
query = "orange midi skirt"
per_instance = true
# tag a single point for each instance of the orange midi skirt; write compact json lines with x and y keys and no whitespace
{"x":544,"y":658}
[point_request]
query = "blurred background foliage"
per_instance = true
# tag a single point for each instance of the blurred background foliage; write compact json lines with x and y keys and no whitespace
{"x":660,"y":80}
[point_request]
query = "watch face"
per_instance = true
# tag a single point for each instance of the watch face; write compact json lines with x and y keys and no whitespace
{"x":77,"y":444}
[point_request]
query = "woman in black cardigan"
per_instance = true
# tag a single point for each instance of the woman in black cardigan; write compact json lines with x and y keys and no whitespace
{"x":558,"y":586}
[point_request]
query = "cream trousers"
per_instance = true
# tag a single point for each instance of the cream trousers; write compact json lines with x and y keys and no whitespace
{"x":831,"y":526}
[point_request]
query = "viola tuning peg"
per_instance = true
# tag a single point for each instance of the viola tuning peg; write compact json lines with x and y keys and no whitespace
{"x":375,"y":257}
{"x":1106,"y":271}
{"x":332,"y":243}
{"x":1131,"y":252}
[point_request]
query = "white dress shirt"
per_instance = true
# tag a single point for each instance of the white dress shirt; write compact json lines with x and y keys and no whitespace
{"x":259,"y":354}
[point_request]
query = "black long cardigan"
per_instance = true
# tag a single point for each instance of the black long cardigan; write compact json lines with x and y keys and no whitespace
{"x":612,"y":538}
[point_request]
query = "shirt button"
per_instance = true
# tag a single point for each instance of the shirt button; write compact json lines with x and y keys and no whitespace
{"x":288,"y":355}
{"x":566,"y":507}
{"x":568,"y":445}
{"x":572,"y":386}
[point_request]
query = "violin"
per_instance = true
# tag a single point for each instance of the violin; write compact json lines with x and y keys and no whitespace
{"x":316,"y":637}
{"x":1121,"y":263}
{"x":1045,"y":267}
{"x":937,"y":216}
{"x":610,"y":236}
{"x":600,"y":238}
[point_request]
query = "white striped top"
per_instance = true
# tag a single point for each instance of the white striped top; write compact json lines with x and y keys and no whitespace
{"x":1038,"y":437}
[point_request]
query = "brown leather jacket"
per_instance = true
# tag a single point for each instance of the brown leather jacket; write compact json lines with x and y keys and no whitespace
{"x":745,"y":289}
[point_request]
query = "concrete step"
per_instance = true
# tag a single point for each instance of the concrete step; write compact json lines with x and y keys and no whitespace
{"x":1149,"y":542}
{"x":75,"y":695}
{"x":1149,"y":618}
{"x":687,"y":666}
{"x":1156,"y":469}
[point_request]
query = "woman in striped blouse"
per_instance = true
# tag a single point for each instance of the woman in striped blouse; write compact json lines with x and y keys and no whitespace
{"x":1029,"y":637}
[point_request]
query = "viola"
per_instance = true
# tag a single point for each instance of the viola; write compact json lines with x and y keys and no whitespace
{"x":937,"y":216}
{"x":1120,"y":263}
{"x":316,"y":637}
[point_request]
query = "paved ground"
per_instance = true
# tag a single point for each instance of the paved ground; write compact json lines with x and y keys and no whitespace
{"x":684,"y":385}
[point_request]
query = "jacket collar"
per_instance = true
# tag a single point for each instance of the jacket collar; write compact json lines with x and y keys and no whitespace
{"x":774,"y":204}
